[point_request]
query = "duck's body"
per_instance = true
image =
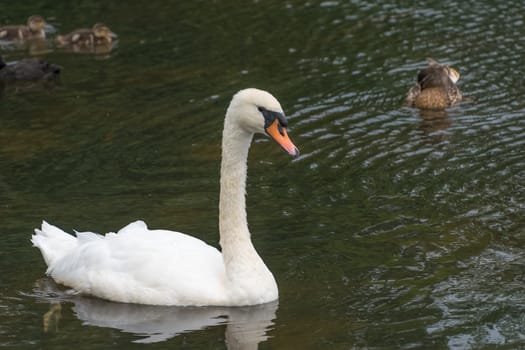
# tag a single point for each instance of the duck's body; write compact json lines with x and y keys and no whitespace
{"x":33,"y":30}
{"x":435,"y":87}
{"x":138,"y":265}
{"x":100,"y":34}
{"x":434,"y":97}
{"x":29,"y":69}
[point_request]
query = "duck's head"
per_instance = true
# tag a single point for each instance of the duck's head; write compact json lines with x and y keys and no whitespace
{"x":257,"y":111}
{"x":437,"y":75}
{"x":453,"y":74}
{"x":435,"y":67}
{"x":36,"y":23}
{"x":102,"y":31}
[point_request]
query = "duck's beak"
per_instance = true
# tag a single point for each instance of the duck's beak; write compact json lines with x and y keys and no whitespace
{"x":48,"y":28}
{"x":113,"y":35}
{"x":279,"y":134}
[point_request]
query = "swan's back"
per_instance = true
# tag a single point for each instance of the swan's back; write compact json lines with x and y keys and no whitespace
{"x":135,"y":265}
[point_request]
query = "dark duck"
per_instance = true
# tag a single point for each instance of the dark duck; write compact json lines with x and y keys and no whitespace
{"x":29,"y":69}
{"x":435,"y":87}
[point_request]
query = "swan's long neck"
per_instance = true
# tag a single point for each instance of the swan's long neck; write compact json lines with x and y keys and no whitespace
{"x":249,"y":280}
{"x":233,"y":226}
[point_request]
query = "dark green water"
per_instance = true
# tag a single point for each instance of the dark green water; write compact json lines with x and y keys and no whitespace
{"x":394,"y":229}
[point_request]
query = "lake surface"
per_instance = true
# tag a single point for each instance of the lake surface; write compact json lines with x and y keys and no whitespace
{"x":394,"y":229}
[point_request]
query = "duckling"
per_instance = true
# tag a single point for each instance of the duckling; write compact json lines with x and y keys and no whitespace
{"x":33,"y":30}
{"x":29,"y":69}
{"x":100,"y":34}
{"x":435,"y":87}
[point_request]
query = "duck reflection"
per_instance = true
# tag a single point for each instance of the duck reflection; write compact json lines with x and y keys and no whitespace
{"x":101,"y":51}
{"x":246,"y":327}
{"x":33,"y":47}
{"x":434,"y":123}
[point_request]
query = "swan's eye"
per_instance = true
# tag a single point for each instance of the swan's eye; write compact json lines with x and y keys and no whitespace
{"x":280,"y":128}
{"x":282,"y":120}
{"x":271,"y":116}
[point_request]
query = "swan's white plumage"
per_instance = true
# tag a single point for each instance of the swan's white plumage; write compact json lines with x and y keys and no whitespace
{"x":138,"y":265}
{"x":53,"y":242}
{"x":160,"y":267}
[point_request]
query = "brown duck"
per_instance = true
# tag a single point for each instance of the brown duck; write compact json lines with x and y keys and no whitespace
{"x":33,"y":30}
{"x":435,"y":87}
{"x":100,"y":34}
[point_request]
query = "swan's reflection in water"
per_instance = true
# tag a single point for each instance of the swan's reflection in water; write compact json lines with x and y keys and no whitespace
{"x":246,"y":327}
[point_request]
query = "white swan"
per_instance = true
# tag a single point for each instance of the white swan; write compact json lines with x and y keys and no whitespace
{"x":160,"y":267}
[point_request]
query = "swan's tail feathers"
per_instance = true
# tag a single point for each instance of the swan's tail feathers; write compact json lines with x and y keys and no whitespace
{"x":52,"y":242}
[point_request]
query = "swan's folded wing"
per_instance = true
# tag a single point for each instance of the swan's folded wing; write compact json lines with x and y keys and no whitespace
{"x":144,"y":266}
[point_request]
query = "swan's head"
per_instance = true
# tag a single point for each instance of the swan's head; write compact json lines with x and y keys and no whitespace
{"x":257,"y":111}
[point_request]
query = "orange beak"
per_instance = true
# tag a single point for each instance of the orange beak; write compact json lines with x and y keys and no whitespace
{"x":279,"y":134}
